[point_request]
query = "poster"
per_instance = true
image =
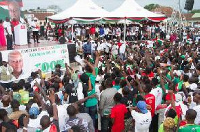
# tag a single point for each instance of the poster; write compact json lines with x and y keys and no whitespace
{"x":11,"y":9}
{"x":25,"y":61}
{"x":5,"y":2}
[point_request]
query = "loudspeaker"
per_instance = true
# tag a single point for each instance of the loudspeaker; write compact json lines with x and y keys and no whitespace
{"x":189,"y":5}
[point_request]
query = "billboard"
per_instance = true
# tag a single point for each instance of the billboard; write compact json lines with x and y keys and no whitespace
{"x":11,"y":9}
{"x":25,"y":61}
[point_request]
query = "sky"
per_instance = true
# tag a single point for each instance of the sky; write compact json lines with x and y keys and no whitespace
{"x":107,"y":4}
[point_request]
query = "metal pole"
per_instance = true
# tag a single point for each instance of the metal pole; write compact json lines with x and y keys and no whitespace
{"x":125,"y":30}
{"x":72,"y":31}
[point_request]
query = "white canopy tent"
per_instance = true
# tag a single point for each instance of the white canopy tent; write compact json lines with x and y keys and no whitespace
{"x":132,"y":10}
{"x":82,"y":10}
{"x":85,"y":9}
{"x":129,"y":9}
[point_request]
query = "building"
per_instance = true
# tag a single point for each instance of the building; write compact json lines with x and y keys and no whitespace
{"x":40,"y":14}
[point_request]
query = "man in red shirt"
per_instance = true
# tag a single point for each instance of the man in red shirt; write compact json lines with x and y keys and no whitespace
{"x":117,"y":114}
{"x":150,"y":98}
{"x":14,"y":23}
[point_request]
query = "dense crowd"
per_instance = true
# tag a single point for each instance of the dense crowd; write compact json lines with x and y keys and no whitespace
{"x":142,"y":85}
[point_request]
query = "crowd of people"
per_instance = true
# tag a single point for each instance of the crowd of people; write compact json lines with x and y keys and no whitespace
{"x":149,"y":83}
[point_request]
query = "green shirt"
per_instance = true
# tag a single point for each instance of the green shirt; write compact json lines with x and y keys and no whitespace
{"x":92,"y":101}
{"x":189,"y":128}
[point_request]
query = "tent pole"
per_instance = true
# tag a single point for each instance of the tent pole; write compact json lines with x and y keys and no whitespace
{"x":125,"y":30}
{"x":72,"y":31}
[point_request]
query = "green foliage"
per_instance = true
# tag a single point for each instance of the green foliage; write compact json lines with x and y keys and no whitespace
{"x":151,"y":7}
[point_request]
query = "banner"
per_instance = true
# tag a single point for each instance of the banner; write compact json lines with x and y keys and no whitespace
{"x":25,"y":61}
{"x":6,"y":2}
{"x":11,"y":9}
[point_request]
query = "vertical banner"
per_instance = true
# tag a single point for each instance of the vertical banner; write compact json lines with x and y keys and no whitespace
{"x":11,"y":9}
{"x":25,"y":61}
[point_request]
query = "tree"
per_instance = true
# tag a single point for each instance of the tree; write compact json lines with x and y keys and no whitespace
{"x":56,"y":8}
{"x":151,"y":7}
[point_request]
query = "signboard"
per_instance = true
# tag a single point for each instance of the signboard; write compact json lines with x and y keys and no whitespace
{"x":25,"y":61}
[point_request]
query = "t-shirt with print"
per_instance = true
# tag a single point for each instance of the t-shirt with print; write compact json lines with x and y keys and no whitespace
{"x":150,"y":100}
{"x":157,"y":92}
{"x":117,"y":113}
{"x":92,"y":101}
{"x":76,"y":121}
{"x":142,"y":121}
{"x":189,"y":128}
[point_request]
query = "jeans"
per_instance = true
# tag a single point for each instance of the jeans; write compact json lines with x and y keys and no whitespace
{"x":105,"y":124}
{"x":122,"y":56}
{"x":92,"y":111}
{"x":35,"y":36}
{"x":28,"y":37}
{"x":9,"y":42}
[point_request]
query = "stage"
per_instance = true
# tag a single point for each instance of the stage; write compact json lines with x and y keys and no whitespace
{"x":42,"y":43}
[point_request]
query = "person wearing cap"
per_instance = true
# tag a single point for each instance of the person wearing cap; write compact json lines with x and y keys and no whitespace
{"x":141,"y":116}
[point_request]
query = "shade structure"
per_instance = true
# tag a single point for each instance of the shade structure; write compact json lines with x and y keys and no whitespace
{"x":196,"y":15}
{"x":85,"y":10}
{"x":132,"y":10}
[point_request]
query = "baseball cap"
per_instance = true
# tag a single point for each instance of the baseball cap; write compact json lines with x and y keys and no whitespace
{"x":34,"y":111}
{"x":142,"y":106}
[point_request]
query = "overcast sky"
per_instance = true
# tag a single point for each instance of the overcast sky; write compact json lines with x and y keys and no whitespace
{"x":107,"y":4}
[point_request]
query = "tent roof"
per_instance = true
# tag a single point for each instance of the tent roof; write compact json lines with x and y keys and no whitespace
{"x":130,"y":8}
{"x":196,"y":15}
{"x":81,"y":9}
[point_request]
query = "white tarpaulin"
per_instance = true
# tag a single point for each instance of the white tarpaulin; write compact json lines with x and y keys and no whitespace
{"x":81,"y":9}
{"x":130,"y":8}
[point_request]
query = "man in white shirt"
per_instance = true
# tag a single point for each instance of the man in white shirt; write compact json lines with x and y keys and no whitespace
{"x":8,"y":34}
{"x":197,"y":107}
{"x":142,"y":117}
{"x":114,"y":50}
{"x":35,"y":29}
{"x":122,"y":50}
